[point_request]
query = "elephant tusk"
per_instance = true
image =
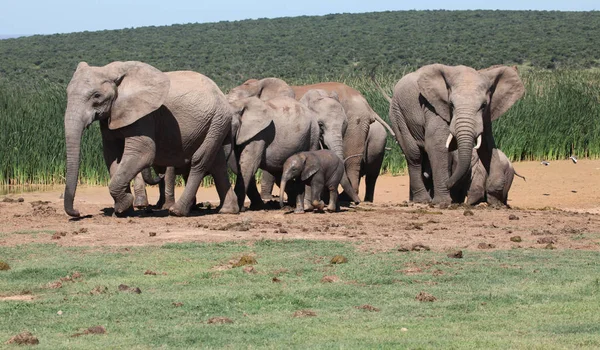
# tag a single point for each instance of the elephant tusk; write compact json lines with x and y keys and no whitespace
{"x":450,"y":137}
{"x":478,"y":142}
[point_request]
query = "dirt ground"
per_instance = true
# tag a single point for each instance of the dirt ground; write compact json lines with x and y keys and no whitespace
{"x":558,"y":207}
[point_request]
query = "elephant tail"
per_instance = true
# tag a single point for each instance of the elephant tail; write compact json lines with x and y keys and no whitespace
{"x":352,"y":156}
{"x":521,"y":176}
{"x":149,"y":180}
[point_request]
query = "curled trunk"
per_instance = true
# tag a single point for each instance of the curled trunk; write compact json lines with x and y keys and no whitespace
{"x":149,"y":179}
{"x":464,"y":141}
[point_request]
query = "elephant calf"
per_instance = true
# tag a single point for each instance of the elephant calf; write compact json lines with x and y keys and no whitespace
{"x":318,"y":170}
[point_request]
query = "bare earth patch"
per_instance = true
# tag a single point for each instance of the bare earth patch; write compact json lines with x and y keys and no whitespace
{"x":20,"y":297}
{"x":568,"y":216}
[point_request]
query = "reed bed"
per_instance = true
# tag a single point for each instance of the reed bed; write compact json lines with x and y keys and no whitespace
{"x":559,"y":116}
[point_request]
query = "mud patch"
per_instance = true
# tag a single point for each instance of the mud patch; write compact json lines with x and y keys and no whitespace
{"x":304,"y":313}
{"x":425,"y":297}
{"x":368,"y":307}
{"x":91,"y":330}
{"x":25,"y":338}
{"x":219,"y":320}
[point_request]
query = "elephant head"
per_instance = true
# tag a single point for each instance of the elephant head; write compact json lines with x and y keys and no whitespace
{"x":297,"y":166}
{"x":330,"y":116}
{"x":251,"y":116}
{"x":468,"y":101}
{"x":265,"y":89}
{"x":119,"y":94}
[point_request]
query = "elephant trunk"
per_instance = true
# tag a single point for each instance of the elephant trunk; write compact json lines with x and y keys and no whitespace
{"x":284,"y":181}
{"x":73,"y":132}
{"x":149,"y":179}
{"x":348,"y":189}
{"x":464,"y":139}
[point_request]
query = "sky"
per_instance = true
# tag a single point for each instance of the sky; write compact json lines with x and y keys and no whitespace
{"x":27,"y":17}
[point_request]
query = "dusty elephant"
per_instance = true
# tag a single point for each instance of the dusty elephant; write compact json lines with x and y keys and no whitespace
{"x":442,"y":108}
{"x":266,"y":135}
{"x":148,"y":118}
{"x":360,"y":117}
{"x":318,"y":170}
{"x":486,"y":186}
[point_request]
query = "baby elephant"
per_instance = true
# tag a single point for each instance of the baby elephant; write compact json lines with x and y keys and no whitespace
{"x":318,"y":170}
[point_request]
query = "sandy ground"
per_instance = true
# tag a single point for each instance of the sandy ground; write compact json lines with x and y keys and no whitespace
{"x":558,"y":207}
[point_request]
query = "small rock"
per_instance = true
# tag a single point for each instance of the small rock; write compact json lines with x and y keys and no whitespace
{"x":282,"y":230}
{"x":513,"y":217}
{"x":516,"y":239}
{"x":468,"y":213}
{"x":547,"y":240}
{"x":25,"y":338}
{"x":99,"y":290}
{"x":339,"y":259}
{"x":219,"y":320}
{"x":424,"y":296}
{"x":305,"y":313}
{"x":149,"y":272}
{"x":403,"y":329}
{"x":486,"y":246}
{"x":418,"y":247}
{"x":152,"y":234}
{"x":245,"y":260}
{"x":456,"y":254}
{"x":275,"y":280}
{"x":4,"y":266}
{"x":550,"y":246}
{"x":404,"y":249}
{"x":59,"y":312}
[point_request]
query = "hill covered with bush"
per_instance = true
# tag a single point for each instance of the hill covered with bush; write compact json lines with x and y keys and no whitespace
{"x":325,"y":46}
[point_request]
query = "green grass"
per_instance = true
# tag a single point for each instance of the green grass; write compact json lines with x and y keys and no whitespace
{"x":504,"y":299}
{"x":559,"y":116}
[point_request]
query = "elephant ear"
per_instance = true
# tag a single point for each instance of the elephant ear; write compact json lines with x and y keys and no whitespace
{"x":311,"y":166}
{"x":334,"y":95}
{"x":141,"y":89}
{"x":434,"y":83}
{"x":253,"y":115}
{"x":505,"y":90}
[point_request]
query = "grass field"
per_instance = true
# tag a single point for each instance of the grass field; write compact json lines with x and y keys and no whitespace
{"x":559,"y":116}
{"x":521,"y":298}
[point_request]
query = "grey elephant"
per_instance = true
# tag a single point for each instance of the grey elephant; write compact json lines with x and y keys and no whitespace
{"x":373,"y":158}
{"x":359,"y":114}
{"x":148,"y":118}
{"x":486,"y":186}
{"x":266,"y":135}
{"x":441,"y":108}
{"x":318,"y":170}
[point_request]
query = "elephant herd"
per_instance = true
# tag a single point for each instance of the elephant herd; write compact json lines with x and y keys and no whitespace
{"x":309,"y":139}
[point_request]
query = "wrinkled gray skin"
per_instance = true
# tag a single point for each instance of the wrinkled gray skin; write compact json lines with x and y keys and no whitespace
{"x":442,"y":105}
{"x":319,"y":170}
{"x":266,"y":135}
{"x":373,"y":158}
{"x":360,"y":116}
{"x":148,"y":118}
{"x":483,"y":186}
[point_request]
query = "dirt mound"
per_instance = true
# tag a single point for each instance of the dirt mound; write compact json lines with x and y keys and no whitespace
{"x":25,"y":338}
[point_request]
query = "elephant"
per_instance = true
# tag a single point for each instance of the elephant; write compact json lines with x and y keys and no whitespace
{"x":266,"y":135}
{"x":148,"y":118}
{"x":438,"y":109}
{"x":360,"y":117}
{"x":318,"y":170}
{"x":373,"y":158}
{"x":483,"y":186}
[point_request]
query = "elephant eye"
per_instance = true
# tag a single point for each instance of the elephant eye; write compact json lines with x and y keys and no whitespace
{"x":97,"y":95}
{"x":451,"y":106}
{"x":483,"y":105}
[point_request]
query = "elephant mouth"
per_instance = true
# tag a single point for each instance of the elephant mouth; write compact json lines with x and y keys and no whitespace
{"x":451,"y":144}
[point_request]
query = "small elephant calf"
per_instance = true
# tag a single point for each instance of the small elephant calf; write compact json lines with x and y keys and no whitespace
{"x":319,"y":170}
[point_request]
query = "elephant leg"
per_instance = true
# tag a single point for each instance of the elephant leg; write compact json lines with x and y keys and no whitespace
{"x":372,"y":173}
{"x":229,"y":203}
{"x":418,"y":193}
{"x":167,"y":189}
{"x":249,"y":160}
{"x":299,"y":190}
{"x":266,"y":185}
{"x":139,"y":188}
{"x":316,"y":188}
{"x":435,"y":146}
{"x":333,"y":200}
{"x":132,"y":162}
{"x":256,"y":201}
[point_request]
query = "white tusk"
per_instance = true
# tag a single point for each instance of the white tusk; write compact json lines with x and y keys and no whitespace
{"x":449,"y":140}
{"x":478,"y":142}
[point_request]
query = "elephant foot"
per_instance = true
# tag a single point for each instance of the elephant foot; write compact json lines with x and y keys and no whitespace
{"x":318,"y":205}
{"x":229,"y":209}
{"x":423,"y":198}
{"x":178,"y":210}
{"x":257,"y":205}
{"x":140,"y":202}
{"x":167,"y":204}
{"x":299,"y":211}
{"x":125,"y":204}
{"x":332,"y":208}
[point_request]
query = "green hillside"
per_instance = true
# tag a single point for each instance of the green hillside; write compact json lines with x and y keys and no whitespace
{"x":324,"y":46}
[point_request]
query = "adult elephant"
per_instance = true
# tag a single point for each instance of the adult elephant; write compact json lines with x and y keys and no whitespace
{"x":373,"y":158}
{"x":148,"y":118}
{"x":441,"y":108}
{"x":360,"y":117}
